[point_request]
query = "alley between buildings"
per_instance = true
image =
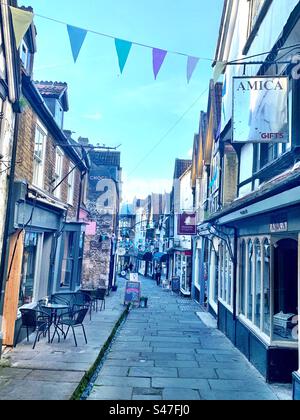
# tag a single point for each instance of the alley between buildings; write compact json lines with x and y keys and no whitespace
{"x":165,"y":352}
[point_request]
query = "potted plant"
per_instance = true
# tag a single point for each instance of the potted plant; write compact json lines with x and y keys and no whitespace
{"x":144,"y":302}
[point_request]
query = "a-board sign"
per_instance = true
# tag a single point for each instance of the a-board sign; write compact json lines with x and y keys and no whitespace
{"x":132,"y":292}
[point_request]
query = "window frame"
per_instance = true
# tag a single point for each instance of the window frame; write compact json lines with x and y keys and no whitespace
{"x":39,"y":161}
{"x":71,"y":184}
{"x":58,"y":171}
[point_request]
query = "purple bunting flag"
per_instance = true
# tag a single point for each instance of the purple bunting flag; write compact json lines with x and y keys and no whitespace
{"x":158,"y":59}
{"x":191,"y":66}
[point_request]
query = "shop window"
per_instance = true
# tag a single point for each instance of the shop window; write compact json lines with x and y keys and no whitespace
{"x":250,"y":280}
{"x":267,"y":287}
{"x":285,"y":290}
{"x":257,"y":283}
{"x":28,"y":269}
{"x":221,"y":272}
{"x":242,"y":278}
{"x":68,"y":260}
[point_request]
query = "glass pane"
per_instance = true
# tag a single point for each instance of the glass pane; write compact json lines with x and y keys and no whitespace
{"x":258,"y":294}
{"x":216,"y":278}
{"x":250,"y":278}
{"x":267,"y":294}
{"x":68,"y":260}
{"x":242,"y":277}
{"x":28,"y":269}
{"x":221,"y":272}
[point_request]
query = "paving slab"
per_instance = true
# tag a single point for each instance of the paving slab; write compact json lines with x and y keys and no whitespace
{"x":54,"y":371}
{"x":166,"y":352}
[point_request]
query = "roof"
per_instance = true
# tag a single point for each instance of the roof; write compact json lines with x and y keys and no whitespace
{"x":106,"y":158}
{"x":56,"y":90}
{"x":181,"y":166}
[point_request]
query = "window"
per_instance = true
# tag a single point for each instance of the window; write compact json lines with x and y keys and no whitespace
{"x":71,"y":182}
{"x":39,"y":156}
{"x":257,"y":283}
{"x":254,"y":283}
{"x":24,"y":55}
{"x":58,"y":175}
{"x":68,"y":259}
{"x":225,"y":275}
{"x":242,"y":278}
{"x":250,"y":280}
{"x":255,"y":9}
{"x":28,"y":276}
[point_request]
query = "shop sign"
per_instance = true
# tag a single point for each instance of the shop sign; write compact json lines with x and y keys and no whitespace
{"x":279,"y":223}
{"x":187,"y":224}
{"x":260,"y":109}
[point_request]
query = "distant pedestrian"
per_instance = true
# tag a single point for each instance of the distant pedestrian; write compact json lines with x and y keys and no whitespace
{"x":131,"y":267}
{"x":158,"y":275}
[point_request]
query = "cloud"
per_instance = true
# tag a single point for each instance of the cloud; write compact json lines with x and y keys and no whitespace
{"x":190,"y":153}
{"x":97,"y":116}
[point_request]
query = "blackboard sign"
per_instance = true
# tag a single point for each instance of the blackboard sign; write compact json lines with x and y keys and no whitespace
{"x":132,"y":292}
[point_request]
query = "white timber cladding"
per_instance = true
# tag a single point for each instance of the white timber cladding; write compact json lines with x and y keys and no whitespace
{"x":268,"y":33}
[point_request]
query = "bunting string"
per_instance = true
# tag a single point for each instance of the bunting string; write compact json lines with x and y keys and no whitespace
{"x":22,"y":19}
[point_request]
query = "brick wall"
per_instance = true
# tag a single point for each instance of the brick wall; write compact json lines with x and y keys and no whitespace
{"x":24,"y":167}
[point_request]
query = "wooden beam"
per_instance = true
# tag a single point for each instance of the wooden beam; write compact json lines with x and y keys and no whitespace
{"x":12,"y":288}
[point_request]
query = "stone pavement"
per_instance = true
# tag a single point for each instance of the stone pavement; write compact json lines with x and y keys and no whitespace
{"x":54,"y":371}
{"x":166,"y":353}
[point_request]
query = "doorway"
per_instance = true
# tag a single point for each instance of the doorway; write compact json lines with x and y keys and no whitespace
{"x":285,"y":289}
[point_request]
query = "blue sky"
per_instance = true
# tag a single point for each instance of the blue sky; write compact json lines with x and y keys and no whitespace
{"x":131,"y":109}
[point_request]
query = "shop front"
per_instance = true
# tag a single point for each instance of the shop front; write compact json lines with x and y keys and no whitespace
{"x":45,"y":258}
{"x":145,"y":263}
{"x":183,"y":270}
{"x":258,"y":288}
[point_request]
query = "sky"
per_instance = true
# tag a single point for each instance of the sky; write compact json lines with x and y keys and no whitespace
{"x":148,"y":118}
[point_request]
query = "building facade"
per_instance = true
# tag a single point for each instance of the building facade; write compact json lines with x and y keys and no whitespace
{"x":9,"y":116}
{"x":45,"y":235}
{"x":252,"y":229}
{"x":103,"y":203}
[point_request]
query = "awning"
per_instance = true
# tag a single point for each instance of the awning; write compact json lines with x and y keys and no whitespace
{"x":160,"y":257}
{"x":145,"y":256}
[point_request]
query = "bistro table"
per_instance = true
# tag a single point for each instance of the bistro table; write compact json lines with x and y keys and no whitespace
{"x":55,"y":308}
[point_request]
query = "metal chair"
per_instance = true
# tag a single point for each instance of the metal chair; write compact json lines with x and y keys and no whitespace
{"x":73,"y":321}
{"x":83,"y":300}
{"x":100,"y":296}
{"x":36,"y":320}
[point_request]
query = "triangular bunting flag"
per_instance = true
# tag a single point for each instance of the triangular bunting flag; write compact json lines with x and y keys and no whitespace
{"x":123,"y":49}
{"x":77,"y":37}
{"x":191,"y":66}
{"x":21,"y":20}
{"x":219,"y":69}
{"x":158,"y":59}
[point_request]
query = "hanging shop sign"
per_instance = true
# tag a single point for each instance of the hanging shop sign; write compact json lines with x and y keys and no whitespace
{"x":187,"y":224}
{"x":260,"y":109}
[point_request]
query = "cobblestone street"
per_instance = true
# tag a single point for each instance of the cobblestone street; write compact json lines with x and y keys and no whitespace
{"x":165,"y":352}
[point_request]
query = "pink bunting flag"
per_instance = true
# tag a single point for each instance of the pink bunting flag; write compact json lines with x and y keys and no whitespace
{"x":191,"y":66}
{"x":158,"y":59}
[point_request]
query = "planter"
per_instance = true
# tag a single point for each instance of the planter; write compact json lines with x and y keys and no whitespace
{"x":144,"y":302}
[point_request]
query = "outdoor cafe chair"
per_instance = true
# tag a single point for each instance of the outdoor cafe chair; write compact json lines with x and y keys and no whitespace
{"x":83,"y":300}
{"x":72,"y":321}
{"x":100,"y":296}
{"x":34,"y":319}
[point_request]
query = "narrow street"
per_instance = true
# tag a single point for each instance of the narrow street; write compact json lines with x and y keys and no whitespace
{"x":165,"y":352}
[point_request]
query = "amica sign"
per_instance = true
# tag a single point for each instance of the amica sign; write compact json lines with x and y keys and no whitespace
{"x":260,"y":110}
